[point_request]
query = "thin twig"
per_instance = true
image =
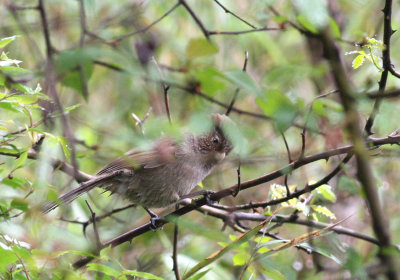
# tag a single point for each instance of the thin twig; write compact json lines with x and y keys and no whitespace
{"x":196,"y":19}
{"x":82,"y":72}
{"x":175,"y":251}
{"x":238,"y":179}
{"x":51,"y":84}
{"x":226,"y":10}
{"x":306,"y":189}
{"x":364,"y":170}
{"x":98,"y":218}
{"x":246,"y":58}
{"x":303,"y":133}
{"x":216,"y":32}
{"x":290,"y":161}
{"x":386,"y":63}
{"x":219,"y":103}
{"x":128,"y":236}
{"x":96,"y":233}
{"x":120,"y":38}
{"x":165,"y":88}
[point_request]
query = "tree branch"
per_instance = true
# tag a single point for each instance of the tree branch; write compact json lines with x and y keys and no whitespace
{"x":364,"y":171}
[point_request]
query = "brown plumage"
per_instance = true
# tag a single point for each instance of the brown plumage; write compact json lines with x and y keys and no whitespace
{"x":159,"y":177}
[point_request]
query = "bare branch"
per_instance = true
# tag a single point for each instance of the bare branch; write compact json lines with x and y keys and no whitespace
{"x":226,"y":10}
{"x":364,"y":170}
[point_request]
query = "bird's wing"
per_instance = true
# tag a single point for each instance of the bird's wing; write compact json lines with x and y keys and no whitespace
{"x":162,"y":153}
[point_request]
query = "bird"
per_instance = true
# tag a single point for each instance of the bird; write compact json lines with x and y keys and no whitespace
{"x":162,"y":175}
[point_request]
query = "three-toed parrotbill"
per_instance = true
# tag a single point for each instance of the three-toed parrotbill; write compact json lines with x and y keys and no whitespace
{"x":162,"y":175}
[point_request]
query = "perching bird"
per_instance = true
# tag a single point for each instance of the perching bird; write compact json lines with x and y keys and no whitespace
{"x":162,"y":175}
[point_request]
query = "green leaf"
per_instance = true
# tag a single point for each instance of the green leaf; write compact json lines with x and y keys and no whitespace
{"x":5,"y":41}
{"x":200,"y":47}
{"x":358,"y":61}
{"x":237,"y":242}
{"x":210,"y":81}
{"x":7,"y":257}
{"x":324,"y":211}
{"x":322,"y":252}
{"x":240,"y":259}
{"x":321,"y":105}
{"x":69,"y":64}
{"x":279,"y":107}
{"x":14,"y":71}
{"x":262,"y":250}
{"x":25,"y":99}
{"x":273,"y":273}
{"x":199,"y":275}
{"x":98,"y":267}
{"x":21,"y":160}
{"x":71,"y":108}
{"x":326,"y":192}
{"x":64,"y":145}
{"x":243,"y":80}
{"x":143,"y":275}
{"x":348,"y":184}
{"x":11,"y":106}
{"x":307,"y":24}
{"x":16,"y":182}
{"x":19,"y":203}
{"x":334,"y":28}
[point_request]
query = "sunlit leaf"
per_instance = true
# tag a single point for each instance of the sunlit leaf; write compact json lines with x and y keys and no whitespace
{"x":358,"y":61}
{"x":324,"y":211}
{"x":240,"y":258}
{"x":7,"y":257}
{"x":5,"y":41}
{"x":326,"y":192}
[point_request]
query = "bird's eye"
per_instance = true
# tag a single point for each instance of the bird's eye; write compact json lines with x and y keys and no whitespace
{"x":215,"y":140}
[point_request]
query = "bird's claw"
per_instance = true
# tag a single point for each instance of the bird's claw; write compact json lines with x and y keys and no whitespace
{"x":154,"y":220}
{"x":207,"y":195}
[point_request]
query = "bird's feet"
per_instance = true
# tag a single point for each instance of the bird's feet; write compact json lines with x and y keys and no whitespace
{"x":154,"y":220}
{"x":207,"y":195}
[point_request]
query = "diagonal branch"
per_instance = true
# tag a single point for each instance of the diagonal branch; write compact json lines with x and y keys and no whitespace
{"x":128,"y":236}
{"x":226,"y":10}
{"x":196,"y":19}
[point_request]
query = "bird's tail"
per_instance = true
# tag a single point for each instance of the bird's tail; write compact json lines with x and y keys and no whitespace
{"x":75,"y":193}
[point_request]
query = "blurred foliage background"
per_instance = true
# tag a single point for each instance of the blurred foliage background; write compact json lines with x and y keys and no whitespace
{"x":113,"y":62}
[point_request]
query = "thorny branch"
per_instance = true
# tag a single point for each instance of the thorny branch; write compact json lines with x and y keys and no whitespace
{"x":128,"y":236}
{"x":364,"y":171}
{"x":387,"y":64}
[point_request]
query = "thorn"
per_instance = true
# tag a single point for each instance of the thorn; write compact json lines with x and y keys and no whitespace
{"x":394,"y":31}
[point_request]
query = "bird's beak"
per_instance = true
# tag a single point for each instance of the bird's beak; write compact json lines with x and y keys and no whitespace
{"x":219,"y":156}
